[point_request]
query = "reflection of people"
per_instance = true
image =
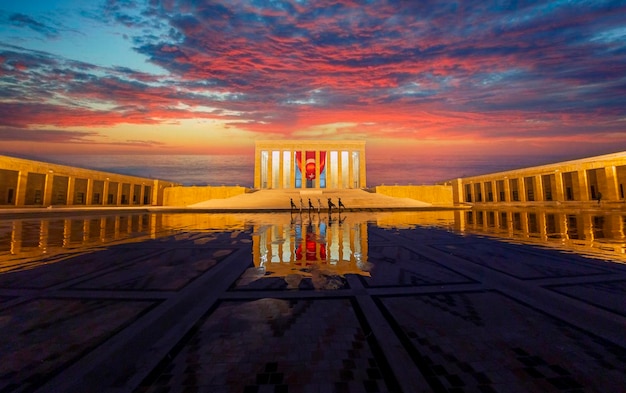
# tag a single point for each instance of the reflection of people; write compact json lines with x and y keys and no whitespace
{"x":599,"y":197}
{"x":340,"y":204}
{"x":330,"y":205}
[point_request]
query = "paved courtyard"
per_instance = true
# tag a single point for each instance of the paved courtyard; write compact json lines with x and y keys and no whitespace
{"x":433,"y":311}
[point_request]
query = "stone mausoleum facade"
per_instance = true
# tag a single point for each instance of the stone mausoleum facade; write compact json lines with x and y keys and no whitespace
{"x":302,"y":164}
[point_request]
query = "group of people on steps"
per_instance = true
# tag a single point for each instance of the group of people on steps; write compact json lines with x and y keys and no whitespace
{"x":331,"y":205}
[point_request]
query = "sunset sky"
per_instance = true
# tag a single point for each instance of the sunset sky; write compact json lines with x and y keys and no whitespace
{"x":409,"y":77}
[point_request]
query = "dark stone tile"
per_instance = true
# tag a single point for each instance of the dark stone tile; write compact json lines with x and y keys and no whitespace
{"x":564,"y":383}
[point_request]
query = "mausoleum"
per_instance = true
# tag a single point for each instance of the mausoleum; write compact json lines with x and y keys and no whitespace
{"x":280,"y":164}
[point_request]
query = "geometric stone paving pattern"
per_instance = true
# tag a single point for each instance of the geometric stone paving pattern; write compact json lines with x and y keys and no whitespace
{"x":461,"y":344}
{"x":42,"y":336}
{"x":248,"y":346}
{"x":608,"y":295}
{"x":439,"y":312}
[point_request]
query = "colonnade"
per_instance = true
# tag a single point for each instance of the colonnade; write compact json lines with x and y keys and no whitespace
{"x":309,"y":164}
{"x":596,"y":178}
{"x":32,"y":183}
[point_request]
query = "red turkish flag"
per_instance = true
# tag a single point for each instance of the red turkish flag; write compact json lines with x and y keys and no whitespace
{"x":309,"y":170}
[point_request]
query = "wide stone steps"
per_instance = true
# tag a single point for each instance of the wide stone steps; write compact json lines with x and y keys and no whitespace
{"x":279,"y":200}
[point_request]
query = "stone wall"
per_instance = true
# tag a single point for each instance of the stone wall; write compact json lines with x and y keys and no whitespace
{"x":437,"y":195}
{"x":185,"y":196}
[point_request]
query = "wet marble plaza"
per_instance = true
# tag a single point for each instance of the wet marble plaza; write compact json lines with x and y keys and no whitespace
{"x":430,"y":301}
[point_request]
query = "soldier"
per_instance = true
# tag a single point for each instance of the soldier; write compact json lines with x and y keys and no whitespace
{"x":330,"y":205}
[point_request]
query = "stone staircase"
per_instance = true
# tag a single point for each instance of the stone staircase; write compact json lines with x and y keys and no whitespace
{"x":353,"y":199}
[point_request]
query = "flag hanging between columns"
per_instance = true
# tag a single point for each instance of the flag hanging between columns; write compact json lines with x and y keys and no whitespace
{"x":309,"y":164}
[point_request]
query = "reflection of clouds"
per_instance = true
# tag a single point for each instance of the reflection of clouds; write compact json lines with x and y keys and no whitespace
{"x":323,"y":279}
{"x":293,"y":280}
{"x":250,"y":275}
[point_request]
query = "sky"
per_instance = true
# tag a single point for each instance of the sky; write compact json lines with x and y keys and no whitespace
{"x":411,"y":78}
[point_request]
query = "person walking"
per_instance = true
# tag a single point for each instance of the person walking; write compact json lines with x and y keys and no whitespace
{"x":293,"y":205}
{"x":310,"y":206}
{"x":319,"y":205}
{"x":340,"y":204}
{"x":330,"y":205}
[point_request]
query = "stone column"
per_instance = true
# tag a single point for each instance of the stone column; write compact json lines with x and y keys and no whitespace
{"x":292,"y":174}
{"x":538,"y":186}
{"x":71,"y":183}
{"x":457,"y":191}
{"x":281,"y":172}
{"x":329,"y":172}
{"x":131,"y":194}
{"x":47,"y":190}
{"x":270,"y":177}
{"x":362,"y":169}
{"x":482,"y":187}
{"x":22,"y":185}
{"x":521,"y":189}
{"x":105,"y":193}
{"x":142,"y":193}
{"x":316,"y":183}
{"x":257,"y":168}
{"x":339,"y":170}
{"x":120,"y":188}
{"x":156,"y":189}
{"x":350,"y":171}
{"x":89,"y":192}
{"x":581,"y":191}
{"x":507,"y":190}
{"x":607,"y":183}
{"x":559,"y":186}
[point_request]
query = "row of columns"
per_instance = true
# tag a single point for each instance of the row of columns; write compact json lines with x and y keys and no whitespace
{"x":334,"y":177}
{"x":581,"y":185}
{"x":30,"y":189}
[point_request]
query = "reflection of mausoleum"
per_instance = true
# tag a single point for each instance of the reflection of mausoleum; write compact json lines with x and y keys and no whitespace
{"x":309,"y":164}
{"x":337,"y":244}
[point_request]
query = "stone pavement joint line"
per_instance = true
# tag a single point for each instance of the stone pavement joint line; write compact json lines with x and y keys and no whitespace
{"x":437,"y":313}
